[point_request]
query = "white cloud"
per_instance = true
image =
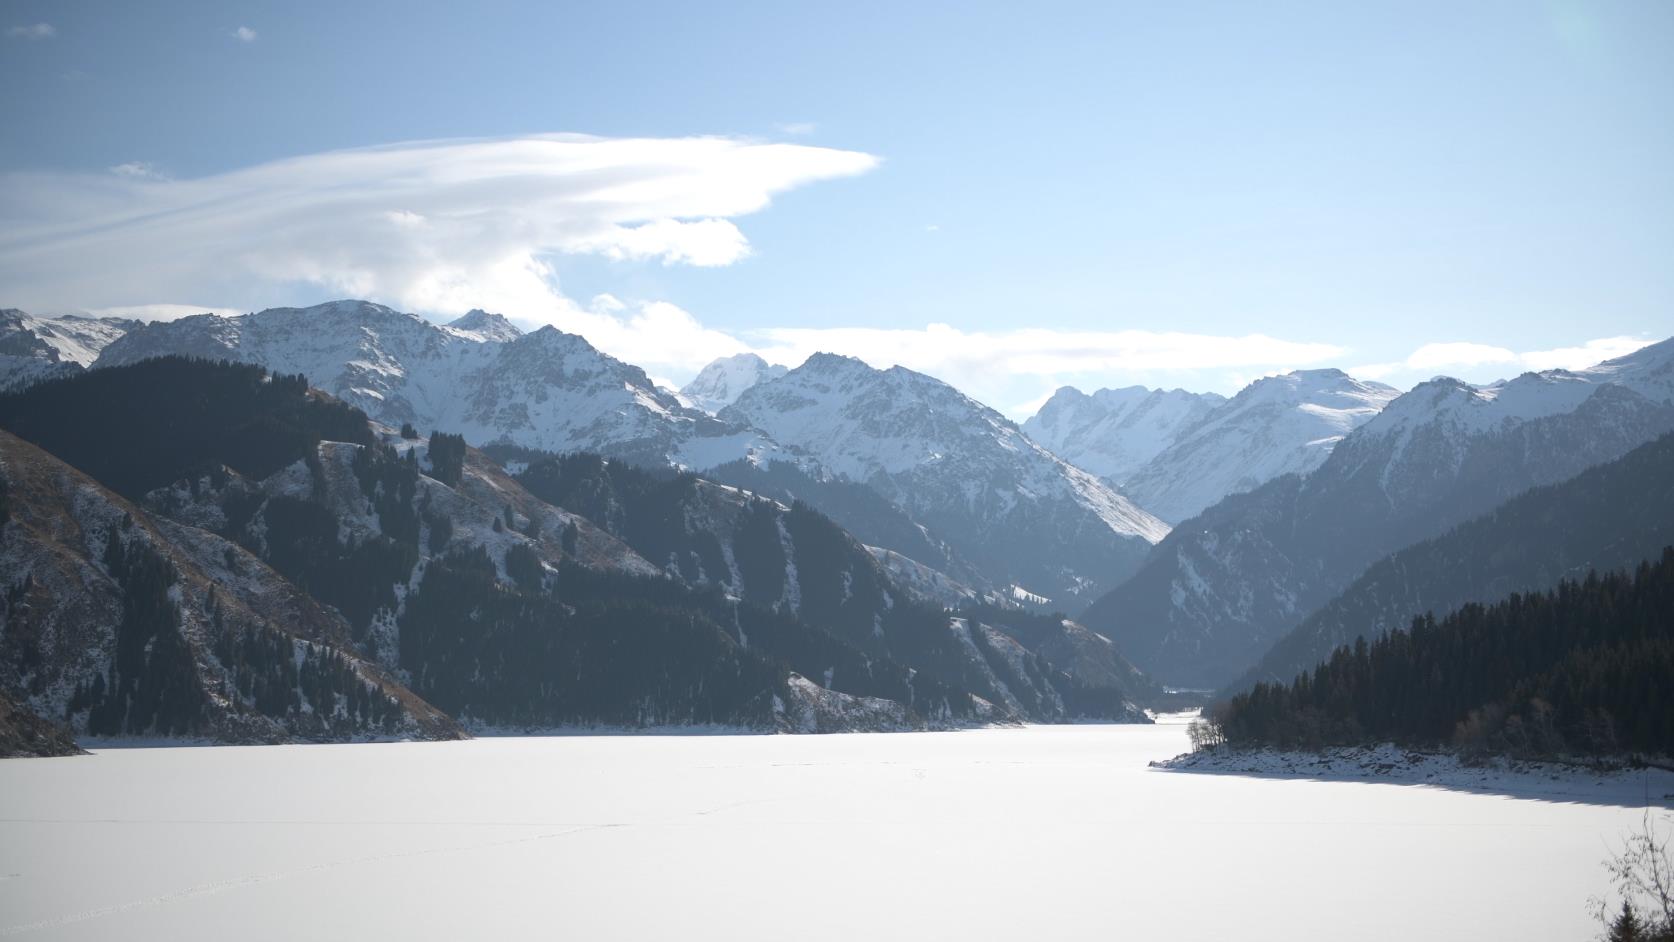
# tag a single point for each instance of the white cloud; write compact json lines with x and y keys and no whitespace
{"x":163,"y":312}
{"x":798,"y":127}
{"x":1473,"y":358}
{"x":244,"y":34}
{"x":137,"y":170}
{"x":32,"y":31}
{"x":1574,"y":358}
{"x":435,"y":227}
{"x":992,"y":365}
{"x":939,"y":348}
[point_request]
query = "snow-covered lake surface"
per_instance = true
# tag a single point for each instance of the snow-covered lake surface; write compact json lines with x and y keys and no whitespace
{"x":1043,"y":833}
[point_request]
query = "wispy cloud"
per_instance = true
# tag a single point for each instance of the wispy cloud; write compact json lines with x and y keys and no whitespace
{"x":798,"y":127}
{"x":244,"y":34}
{"x":433,"y":227}
{"x":1438,"y":358}
{"x":163,"y":312}
{"x":138,"y":170}
{"x":32,"y":31}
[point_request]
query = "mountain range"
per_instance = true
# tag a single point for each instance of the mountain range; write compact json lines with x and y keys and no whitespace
{"x":1225,"y":585}
{"x":422,"y":568}
{"x":450,"y":514}
{"x":960,"y":468}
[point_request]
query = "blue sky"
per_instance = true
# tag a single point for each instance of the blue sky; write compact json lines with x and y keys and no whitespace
{"x":1138,"y":187}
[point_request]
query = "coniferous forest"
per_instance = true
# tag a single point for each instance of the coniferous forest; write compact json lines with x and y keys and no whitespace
{"x":1580,"y":670}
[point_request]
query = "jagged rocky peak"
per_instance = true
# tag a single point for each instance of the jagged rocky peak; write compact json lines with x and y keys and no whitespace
{"x":482,"y":325}
{"x":545,"y":390}
{"x":1114,"y":432}
{"x":35,"y":348}
{"x":957,"y":466}
{"x":1285,"y":424}
{"x":719,"y":384}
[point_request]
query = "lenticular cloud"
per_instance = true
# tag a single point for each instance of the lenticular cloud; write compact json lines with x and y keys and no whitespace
{"x":418,"y":223}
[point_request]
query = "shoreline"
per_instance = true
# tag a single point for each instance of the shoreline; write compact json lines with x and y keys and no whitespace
{"x":1387,"y":763}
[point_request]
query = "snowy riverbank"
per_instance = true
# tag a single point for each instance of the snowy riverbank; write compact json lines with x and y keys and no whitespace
{"x":1391,"y":764}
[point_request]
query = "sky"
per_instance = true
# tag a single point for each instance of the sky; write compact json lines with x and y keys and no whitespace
{"x":1009,"y":198}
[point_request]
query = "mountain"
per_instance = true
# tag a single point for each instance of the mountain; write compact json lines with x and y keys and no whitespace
{"x":479,"y":377}
{"x":1018,"y":513}
{"x":34,"y":348}
{"x":858,"y":509}
{"x":477,"y":324}
{"x":1581,"y":669}
{"x":1224,"y":586}
{"x":794,"y":560}
{"x":22,"y":733}
{"x":506,"y":610}
{"x":1115,"y":432}
{"x":1277,"y":425}
{"x":719,"y":384}
{"x":127,"y":625}
{"x":1607,"y":518}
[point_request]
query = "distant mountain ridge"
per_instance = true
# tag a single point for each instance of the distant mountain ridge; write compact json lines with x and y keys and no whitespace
{"x":478,"y":376}
{"x":34,"y":348}
{"x":1017,"y":512}
{"x":1277,"y":425}
{"x":1115,"y":432}
{"x":1607,"y":518}
{"x":1227,"y":584}
{"x":719,"y":384}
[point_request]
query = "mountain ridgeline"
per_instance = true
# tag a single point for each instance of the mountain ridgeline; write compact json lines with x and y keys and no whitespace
{"x":831,"y":546}
{"x":1606,"y":518}
{"x":1222,"y":588}
{"x":430,"y":574}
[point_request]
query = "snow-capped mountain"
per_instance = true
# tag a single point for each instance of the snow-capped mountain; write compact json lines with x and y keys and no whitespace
{"x":1276,"y":425}
{"x":1225,"y":585}
{"x":479,"y":377}
{"x":35,"y":348}
{"x":478,"y":324}
{"x":719,"y":384}
{"x":1017,"y":512}
{"x":1114,"y":432}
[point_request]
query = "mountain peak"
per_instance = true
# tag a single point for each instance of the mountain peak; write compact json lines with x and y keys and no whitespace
{"x":836,"y":362}
{"x":719,"y":384}
{"x":486,"y":326}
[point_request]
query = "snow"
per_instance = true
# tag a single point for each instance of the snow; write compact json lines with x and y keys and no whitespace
{"x":1045,"y":832}
{"x":479,"y":377}
{"x":938,"y":447}
{"x":719,"y":384}
{"x":1277,"y":425}
{"x":1114,"y":432}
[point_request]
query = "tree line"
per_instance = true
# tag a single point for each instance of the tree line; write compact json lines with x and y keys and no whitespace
{"x":1582,"y":669}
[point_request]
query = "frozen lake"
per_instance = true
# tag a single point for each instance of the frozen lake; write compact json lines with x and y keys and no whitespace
{"x":1048,"y":832}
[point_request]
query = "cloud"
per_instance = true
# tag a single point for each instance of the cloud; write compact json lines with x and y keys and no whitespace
{"x":1439,"y":358}
{"x":798,"y":127}
{"x":991,"y":364}
{"x":1574,"y":358}
{"x":137,"y":170}
{"x":436,"y":227}
{"x":32,"y":31}
{"x":244,"y":34}
{"x":164,"y":312}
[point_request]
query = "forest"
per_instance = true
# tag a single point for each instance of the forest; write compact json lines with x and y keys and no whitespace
{"x":1580,"y":670}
